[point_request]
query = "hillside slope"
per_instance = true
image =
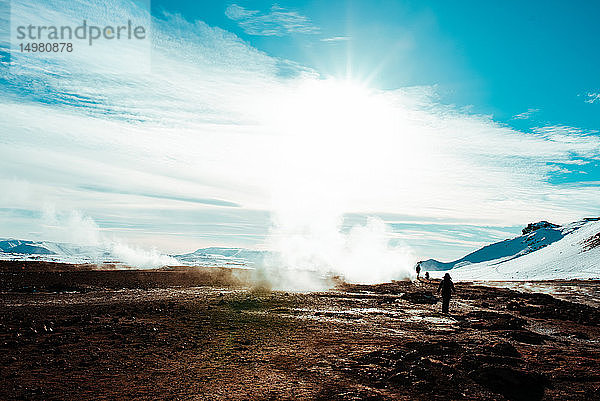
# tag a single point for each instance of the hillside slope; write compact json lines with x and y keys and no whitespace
{"x":535,"y":236}
{"x":576,"y":255}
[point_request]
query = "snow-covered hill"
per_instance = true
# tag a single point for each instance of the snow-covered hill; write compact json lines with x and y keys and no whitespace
{"x":14,"y":249}
{"x":543,"y":252}
{"x":535,"y":236}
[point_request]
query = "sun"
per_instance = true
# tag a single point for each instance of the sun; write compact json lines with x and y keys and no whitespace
{"x":341,"y":141}
{"x":334,"y":109}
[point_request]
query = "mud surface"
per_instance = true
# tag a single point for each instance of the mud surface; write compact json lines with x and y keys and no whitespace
{"x":86,"y":334}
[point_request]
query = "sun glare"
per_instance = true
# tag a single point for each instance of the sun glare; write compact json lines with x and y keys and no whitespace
{"x":340,"y":137}
{"x":333,"y":105}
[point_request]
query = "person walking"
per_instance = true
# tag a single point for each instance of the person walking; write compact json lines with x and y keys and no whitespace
{"x":447,"y":288}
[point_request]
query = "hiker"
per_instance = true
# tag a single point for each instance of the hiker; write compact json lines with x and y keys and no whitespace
{"x":427,"y":276}
{"x":418,"y":268}
{"x":447,"y":288}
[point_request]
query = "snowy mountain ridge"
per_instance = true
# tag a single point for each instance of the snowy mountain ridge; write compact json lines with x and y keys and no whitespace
{"x":543,"y":252}
{"x":534,"y":237}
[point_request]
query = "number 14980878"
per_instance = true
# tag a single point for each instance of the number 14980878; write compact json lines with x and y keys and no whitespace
{"x":46,"y":47}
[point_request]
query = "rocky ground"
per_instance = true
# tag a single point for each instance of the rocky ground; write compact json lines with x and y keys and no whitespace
{"x":70,"y":332}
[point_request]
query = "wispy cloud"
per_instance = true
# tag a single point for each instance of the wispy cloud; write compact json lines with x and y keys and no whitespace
{"x":184,"y":156}
{"x":592,"y":97}
{"x":276,"y":22}
{"x":526,"y":115}
{"x":568,"y":134}
{"x":336,"y":39}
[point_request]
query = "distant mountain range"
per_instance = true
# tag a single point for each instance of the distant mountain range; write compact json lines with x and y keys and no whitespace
{"x":11,"y":249}
{"x":51,"y":251}
{"x":543,"y":251}
{"x":223,"y":257}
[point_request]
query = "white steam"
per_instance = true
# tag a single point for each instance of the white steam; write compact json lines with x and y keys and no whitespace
{"x":77,"y":229}
{"x":313,"y":252}
{"x":72,"y":227}
{"x":336,"y":143}
{"x":140,"y":257}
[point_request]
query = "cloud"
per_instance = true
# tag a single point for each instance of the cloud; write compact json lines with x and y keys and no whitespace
{"x":526,"y":115}
{"x":567,"y":134}
{"x":214,"y":202}
{"x":277,"y":22}
{"x":592,"y":97}
{"x":336,"y":39}
{"x":216,"y":146}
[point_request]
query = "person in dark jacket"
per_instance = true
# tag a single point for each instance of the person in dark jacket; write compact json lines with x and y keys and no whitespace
{"x":418,"y":269}
{"x":447,"y":288}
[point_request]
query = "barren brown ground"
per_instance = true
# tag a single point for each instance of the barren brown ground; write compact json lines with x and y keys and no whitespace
{"x":67,"y":332}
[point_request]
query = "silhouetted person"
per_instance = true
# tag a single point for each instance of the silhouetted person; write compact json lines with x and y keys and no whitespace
{"x":427,"y":276}
{"x":447,"y":288}
{"x":418,"y":268}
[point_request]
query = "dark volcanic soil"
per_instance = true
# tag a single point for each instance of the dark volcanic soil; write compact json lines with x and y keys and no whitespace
{"x":84,"y":334}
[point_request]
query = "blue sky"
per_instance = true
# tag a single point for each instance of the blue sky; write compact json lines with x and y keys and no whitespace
{"x":502,"y":58}
{"x":287,"y":124}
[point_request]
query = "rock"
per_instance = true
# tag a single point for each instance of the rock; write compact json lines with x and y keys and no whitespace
{"x":536,"y":226}
{"x":434,"y":348}
{"x":527,"y":337}
{"x":513,"y":384}
{"x":505,"y":349}
{"x":420,"y":297}
{"x":580,"y":335}
{"x":487,"y":320}
{"x":400,"y":378}
{"x":513,"y":305}
{"x":593,"y":394}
